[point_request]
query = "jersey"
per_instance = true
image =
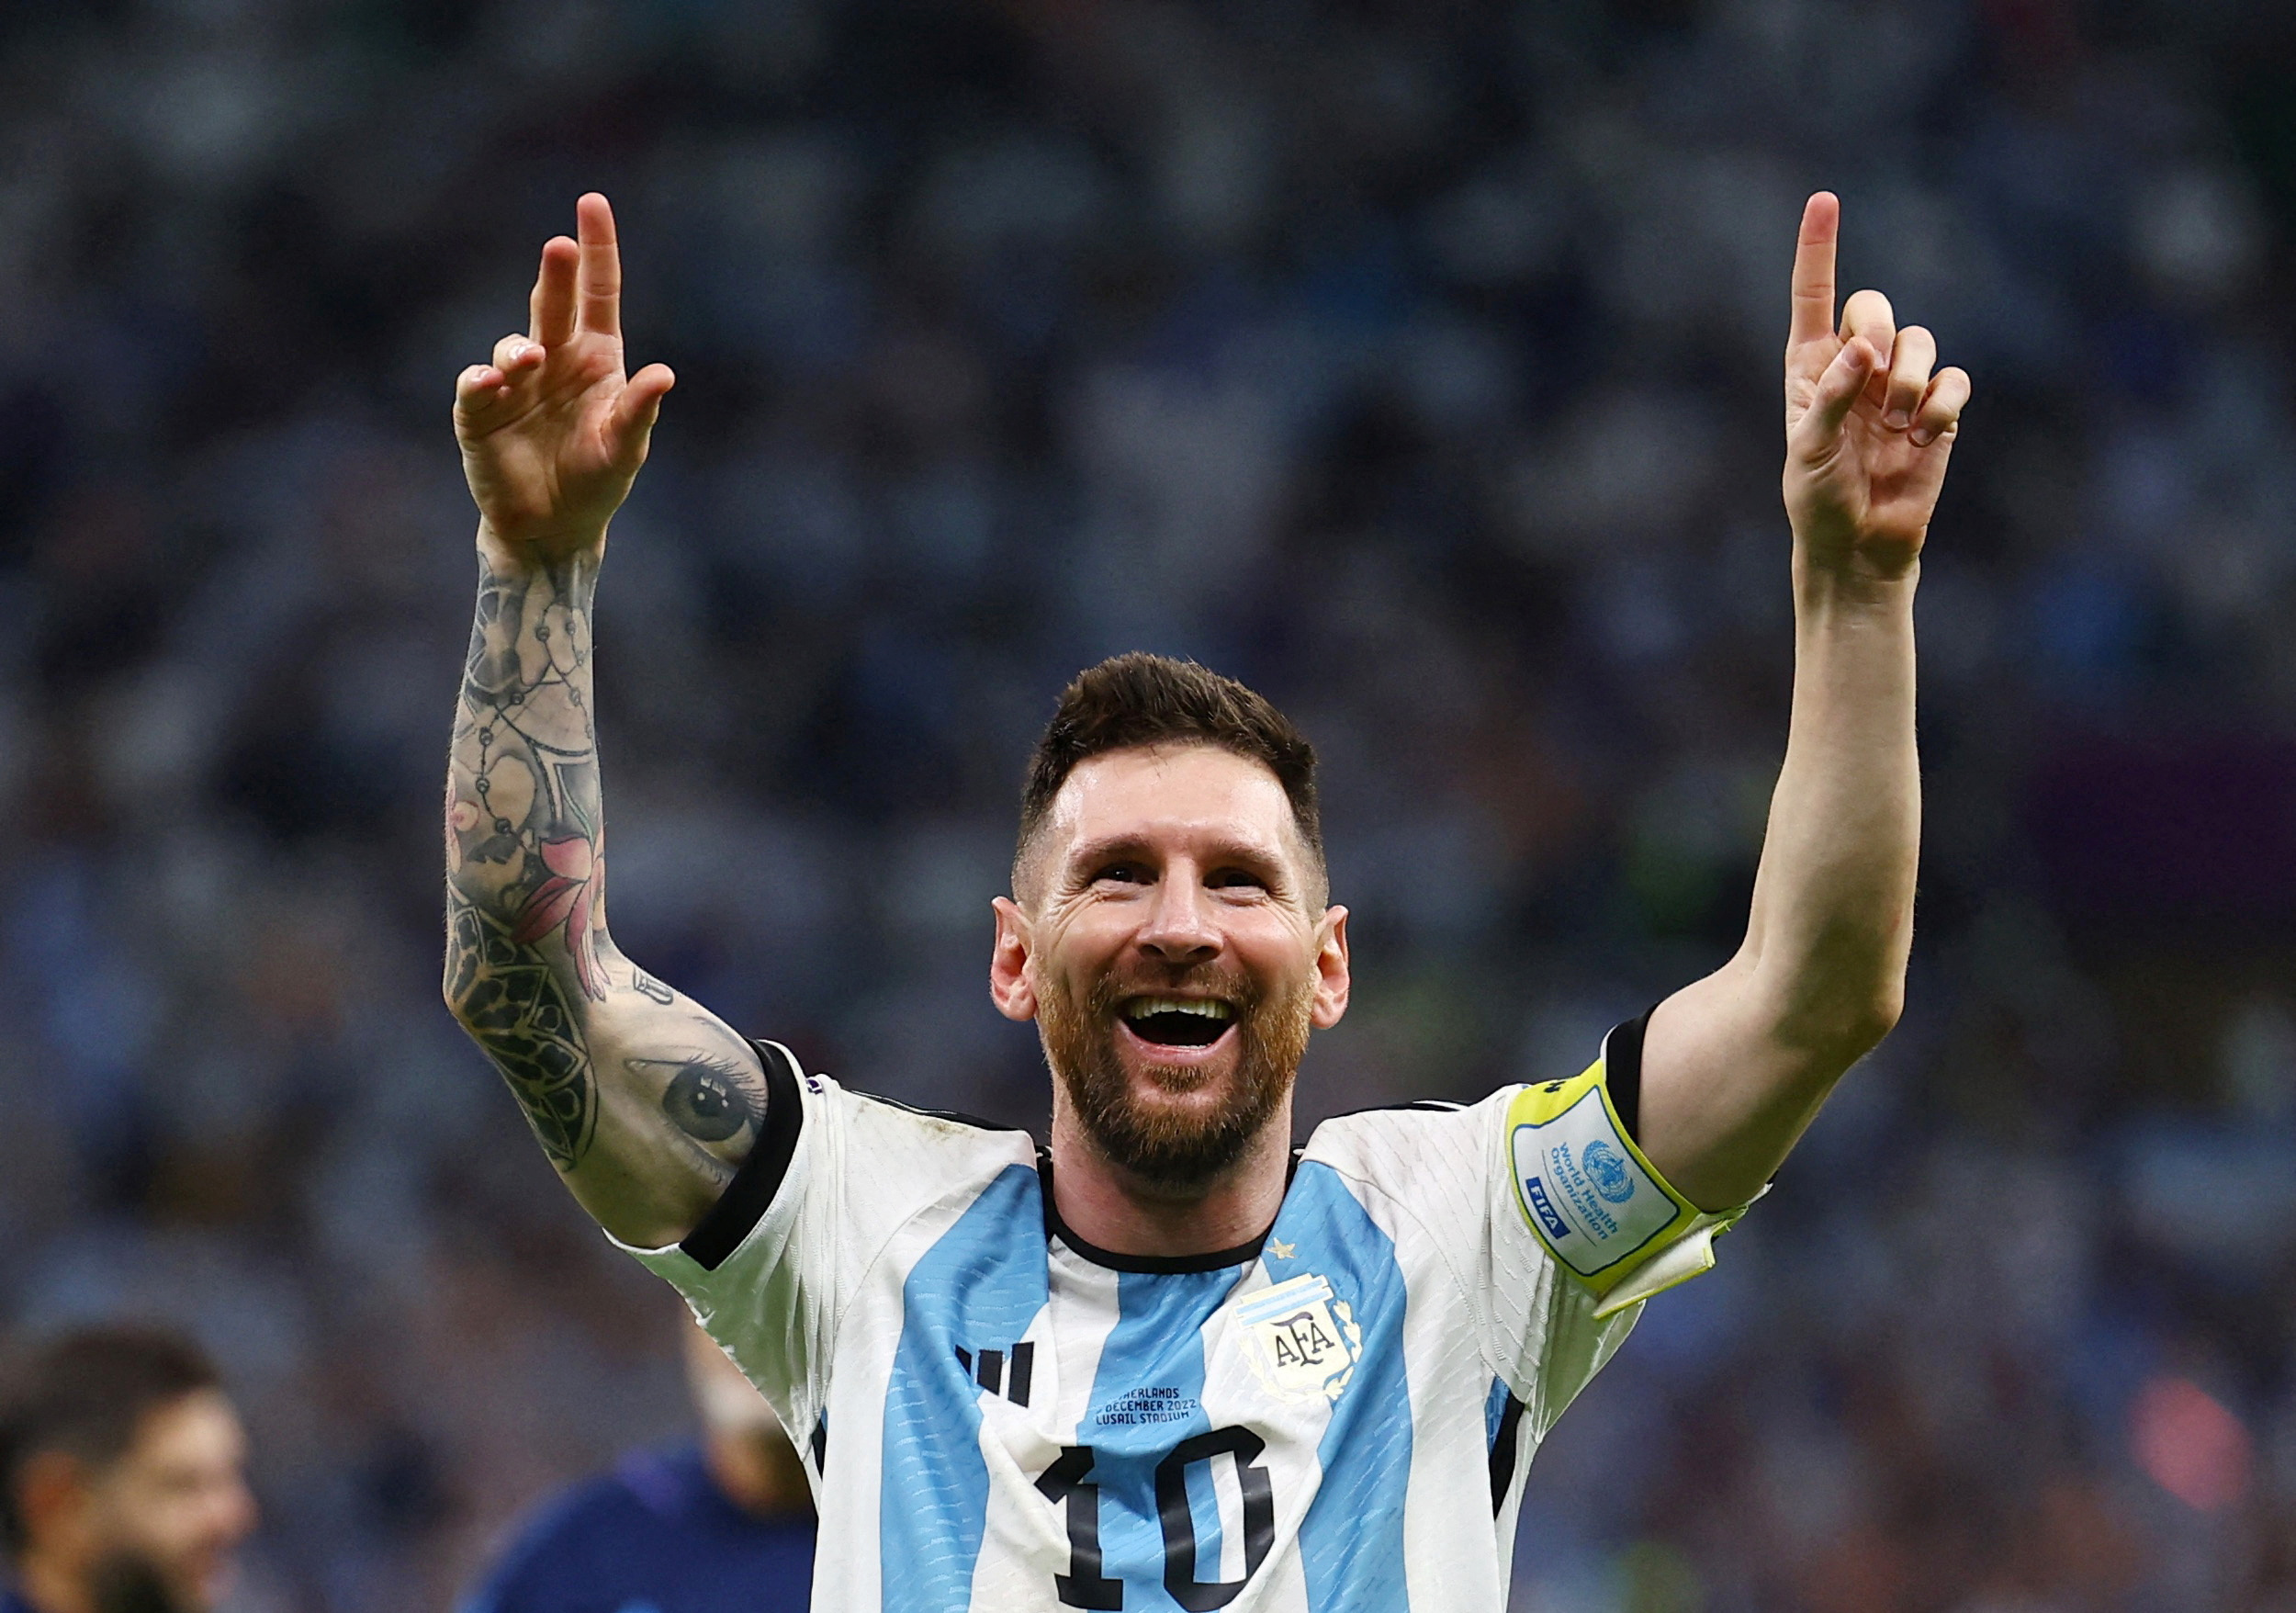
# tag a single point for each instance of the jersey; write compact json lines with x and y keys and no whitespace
{"x":1337,"y":1418}
{"x":654,"y":1536}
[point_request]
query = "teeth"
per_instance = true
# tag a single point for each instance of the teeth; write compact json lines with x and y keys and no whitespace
{"x":1139,"y":1007}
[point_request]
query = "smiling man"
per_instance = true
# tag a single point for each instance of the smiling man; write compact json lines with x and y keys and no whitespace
{"x":123,"y":1484}
{"x":1168,"y":1361}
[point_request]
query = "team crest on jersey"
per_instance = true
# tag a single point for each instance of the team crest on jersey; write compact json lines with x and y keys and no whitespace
{"x":1302,"y":1341}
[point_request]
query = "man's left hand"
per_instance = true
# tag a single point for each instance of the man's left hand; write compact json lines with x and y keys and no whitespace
{"x":1868,"y":427}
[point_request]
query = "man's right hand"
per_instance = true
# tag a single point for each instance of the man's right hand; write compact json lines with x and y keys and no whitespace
{"x":552,"y":432}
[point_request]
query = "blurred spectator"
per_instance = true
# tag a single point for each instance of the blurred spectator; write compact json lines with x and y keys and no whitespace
{"x":725,"y":1526}
{"x":122,"y":1477}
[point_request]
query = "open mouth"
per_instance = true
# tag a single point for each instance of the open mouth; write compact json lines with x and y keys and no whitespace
{"x":1174,"y":1021}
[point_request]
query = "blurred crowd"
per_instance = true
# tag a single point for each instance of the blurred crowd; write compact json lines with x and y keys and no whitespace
{"x":1417,"y":363}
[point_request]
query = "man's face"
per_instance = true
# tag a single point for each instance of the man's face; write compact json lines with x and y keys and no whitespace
{"x":169,"y":1513}
{"x":1171,"y":941}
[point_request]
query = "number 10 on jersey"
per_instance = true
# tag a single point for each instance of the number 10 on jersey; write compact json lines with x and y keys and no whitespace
{"x":1069,"y":1483}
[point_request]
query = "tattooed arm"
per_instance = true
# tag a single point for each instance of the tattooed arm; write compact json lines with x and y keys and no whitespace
{"x":644,"y":1100}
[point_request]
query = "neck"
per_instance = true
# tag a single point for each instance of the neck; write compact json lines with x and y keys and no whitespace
{"x":757,"y":1470}
{"x":1115,"y":1209}
{"x":50,"y":1587}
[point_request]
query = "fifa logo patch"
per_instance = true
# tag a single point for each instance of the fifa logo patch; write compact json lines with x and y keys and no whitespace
{"x":1302,"y":1343}
{"x":1535,"y":1194}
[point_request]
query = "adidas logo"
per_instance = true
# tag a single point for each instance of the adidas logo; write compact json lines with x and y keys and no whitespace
{"x":1000,"y":1374}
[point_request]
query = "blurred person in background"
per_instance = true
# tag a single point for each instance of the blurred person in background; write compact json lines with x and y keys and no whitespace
{"x":1024,"y":1372}
{"x":722,"y":1525}
{"x":122,"y":1476}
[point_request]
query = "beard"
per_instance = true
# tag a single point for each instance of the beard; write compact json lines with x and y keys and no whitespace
{"x":1156,"y":1142}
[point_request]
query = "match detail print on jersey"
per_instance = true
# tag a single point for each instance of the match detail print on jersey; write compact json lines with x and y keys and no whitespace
{"x":1590,"y":1195}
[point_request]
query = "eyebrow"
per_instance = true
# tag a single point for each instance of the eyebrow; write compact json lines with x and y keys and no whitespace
{"x":1223,"y":848}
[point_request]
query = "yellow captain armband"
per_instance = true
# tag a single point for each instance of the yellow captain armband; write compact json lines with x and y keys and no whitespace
{"x":1601,"y":1208}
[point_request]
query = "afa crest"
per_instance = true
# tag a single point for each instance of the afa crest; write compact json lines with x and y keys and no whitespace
{"x":1302,"y":1342}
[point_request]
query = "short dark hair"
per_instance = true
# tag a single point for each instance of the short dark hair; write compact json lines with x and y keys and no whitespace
{"x":86,"y":1392}
{"x":1138,"y":699}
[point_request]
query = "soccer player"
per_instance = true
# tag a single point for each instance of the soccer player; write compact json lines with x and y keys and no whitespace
{"x":122,"y":1476}
{"x":1167,"y":1361}
{"x":724,"y":1528}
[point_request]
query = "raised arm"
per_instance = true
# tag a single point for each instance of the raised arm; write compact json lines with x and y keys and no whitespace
{"x":1736,"y":1066}
{"x":644,"y":1101}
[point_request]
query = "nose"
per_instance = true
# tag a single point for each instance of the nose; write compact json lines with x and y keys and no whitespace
{"x":236,"y":1514}
{"x":1179,"y":928}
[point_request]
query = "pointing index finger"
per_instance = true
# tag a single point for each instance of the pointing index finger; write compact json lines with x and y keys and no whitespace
{"x":1814,"y":270}
{"x":601,"y":267}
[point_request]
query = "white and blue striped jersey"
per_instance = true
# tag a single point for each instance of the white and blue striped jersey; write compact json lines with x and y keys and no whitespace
{"x":997,"y":1417}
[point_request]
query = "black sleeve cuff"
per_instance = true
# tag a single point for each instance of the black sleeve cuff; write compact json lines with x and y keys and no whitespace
{"x":750,"y":1193}
{"x":1622,"y":1072}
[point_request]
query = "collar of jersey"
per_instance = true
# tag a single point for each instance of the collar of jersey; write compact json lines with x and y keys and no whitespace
{"x":1149,"y":1265}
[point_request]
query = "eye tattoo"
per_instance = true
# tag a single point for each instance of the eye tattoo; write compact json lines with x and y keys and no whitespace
{"x":705,"y":1100}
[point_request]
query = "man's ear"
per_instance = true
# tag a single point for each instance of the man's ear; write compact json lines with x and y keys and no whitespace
{"x":52,"y":1497}
{"x":1331,"y":981}
{"x":1009,"y":986}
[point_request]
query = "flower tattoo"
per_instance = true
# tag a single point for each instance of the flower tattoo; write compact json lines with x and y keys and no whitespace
{"x":565,"y":898}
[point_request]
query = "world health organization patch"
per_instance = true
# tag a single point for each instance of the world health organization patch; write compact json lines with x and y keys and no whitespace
{"x":1598,"y":1205}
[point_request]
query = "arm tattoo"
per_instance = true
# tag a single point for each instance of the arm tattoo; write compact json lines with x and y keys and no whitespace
{"x":519,"y":1013}
{"x":526,"y":867}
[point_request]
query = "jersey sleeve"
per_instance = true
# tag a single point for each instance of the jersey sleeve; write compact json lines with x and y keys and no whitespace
{"x":1582,"y":1228}
{"x":1553,"y":1224}
{"x":834,"y":1174}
